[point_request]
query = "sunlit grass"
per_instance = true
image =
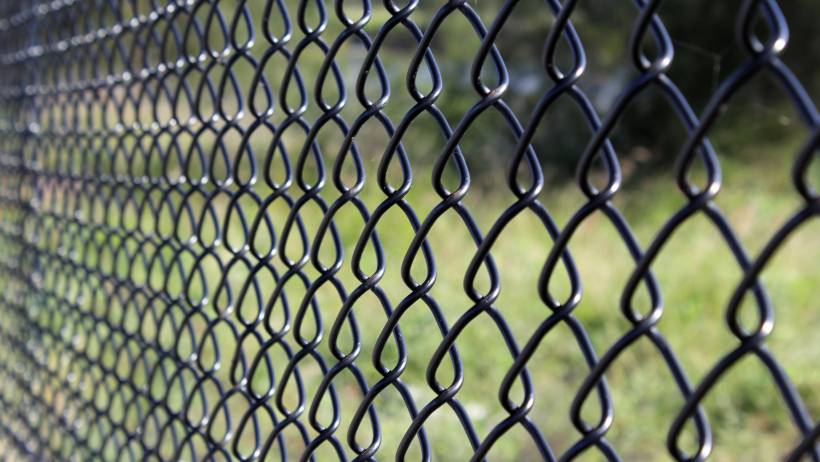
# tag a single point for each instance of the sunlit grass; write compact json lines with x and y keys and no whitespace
{"x":696,"y":272}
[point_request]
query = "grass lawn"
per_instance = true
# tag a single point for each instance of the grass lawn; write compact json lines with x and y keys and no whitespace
{"x":695,"y":270}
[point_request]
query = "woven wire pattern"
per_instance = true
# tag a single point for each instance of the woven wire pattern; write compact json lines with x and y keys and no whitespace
{"x":154,"y":306}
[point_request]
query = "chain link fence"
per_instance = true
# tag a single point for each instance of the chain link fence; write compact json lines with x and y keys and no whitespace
{"x":243,"y":230}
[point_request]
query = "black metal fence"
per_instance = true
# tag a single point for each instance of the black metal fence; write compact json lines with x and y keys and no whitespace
{"x":193,"y":268}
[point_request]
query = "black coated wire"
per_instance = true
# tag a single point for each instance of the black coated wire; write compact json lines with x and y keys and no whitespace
{"x":93,"y":88}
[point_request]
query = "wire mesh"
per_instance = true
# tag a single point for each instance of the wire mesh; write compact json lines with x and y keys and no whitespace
{"x":174,"y":229}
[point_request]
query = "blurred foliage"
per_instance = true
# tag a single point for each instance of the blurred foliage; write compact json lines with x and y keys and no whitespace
{"x":649,"y":134}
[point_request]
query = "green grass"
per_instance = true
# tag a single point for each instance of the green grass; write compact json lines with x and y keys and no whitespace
{"x":696,"y":272}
